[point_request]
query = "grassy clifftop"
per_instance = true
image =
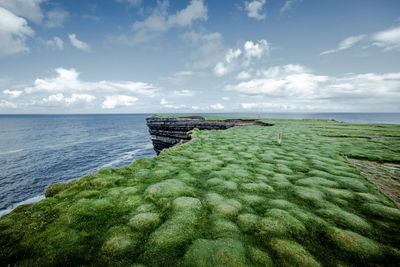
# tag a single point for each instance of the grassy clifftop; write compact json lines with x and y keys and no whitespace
{"x":226,"y":198}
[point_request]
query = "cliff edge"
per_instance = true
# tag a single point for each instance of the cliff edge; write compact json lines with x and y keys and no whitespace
{"x":166,"y":132}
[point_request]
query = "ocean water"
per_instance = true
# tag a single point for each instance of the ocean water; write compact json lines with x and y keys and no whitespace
{"x":38,"y":150}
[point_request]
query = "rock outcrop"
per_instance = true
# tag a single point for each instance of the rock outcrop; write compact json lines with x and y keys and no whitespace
{"x":167,"y":132}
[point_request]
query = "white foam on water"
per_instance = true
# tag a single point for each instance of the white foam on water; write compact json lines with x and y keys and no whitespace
{"x":27,"y":201}
{"x":126,"y":156}
{"x":11,"y":151}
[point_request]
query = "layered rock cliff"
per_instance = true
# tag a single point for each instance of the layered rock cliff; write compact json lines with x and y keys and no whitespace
{"x":167,"y":132}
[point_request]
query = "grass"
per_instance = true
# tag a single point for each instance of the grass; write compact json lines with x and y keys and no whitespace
{"x":226,"y":198}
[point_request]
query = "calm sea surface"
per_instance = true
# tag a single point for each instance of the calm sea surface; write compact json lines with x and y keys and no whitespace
{"x":37,"y":150}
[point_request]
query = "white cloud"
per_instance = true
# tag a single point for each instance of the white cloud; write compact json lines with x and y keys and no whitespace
{"x":256,"y":50}
{"x":13,"y":33}
{"x":388,"y":39}
{"x":77,"y":43}
{"x":250,"y":50}
{"x":183,"y":93}
{"x":243,"y":75}
{"x":12,"y":94}
{"x":74,"y":98}
{"x":80,"y":98}
{"x":288,"y":69}
{"x":265,"y":106}
{"x":345,"y":44}
{"x":156,"y":22}
{"x":67,"y":80}
{"x":207,"y":48}
{"x":55,"y":18}
{"x":114,"y":101}
{"x":160,"y":21}
{"x":225,"y":98}
{"x":289,"y":4}
{"x":232,"y":54}
{"x":296,"y":87}
{"x":163,"y":102}
{"x":254,"y":8}
{"x":285,"y":81}
{"x":220,"y":69}
{"x":201,"y":38}
{"x":56,"y":98}
{"x":183,"y":73}
{"x":217,"y":106}
{"x":7,"y":104}
{"x":55,"y":43}
{"x":180,"y":76}
{"x":196,"y":10}
{"x":29,"y":9}
{"x":170,"y":106}
{"x":130,"y":2}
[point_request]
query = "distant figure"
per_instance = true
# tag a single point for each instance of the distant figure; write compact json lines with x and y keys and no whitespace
{"x":279,"y":138}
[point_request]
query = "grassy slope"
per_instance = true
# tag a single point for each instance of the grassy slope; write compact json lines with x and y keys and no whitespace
{"x":230,"y":197}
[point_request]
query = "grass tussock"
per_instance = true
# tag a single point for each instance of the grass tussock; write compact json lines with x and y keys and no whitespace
{"x":220,"y":252}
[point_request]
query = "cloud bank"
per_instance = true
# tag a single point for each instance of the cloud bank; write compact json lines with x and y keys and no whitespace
{"x":299,"y":86}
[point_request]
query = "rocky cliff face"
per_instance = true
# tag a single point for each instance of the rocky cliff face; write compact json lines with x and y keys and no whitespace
{"x":167,"y":132}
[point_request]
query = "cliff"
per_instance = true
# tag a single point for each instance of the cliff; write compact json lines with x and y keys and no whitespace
{"x":166,"y":132}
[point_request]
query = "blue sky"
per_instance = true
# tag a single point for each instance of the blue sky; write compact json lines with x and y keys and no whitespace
{"x":131,"y":56}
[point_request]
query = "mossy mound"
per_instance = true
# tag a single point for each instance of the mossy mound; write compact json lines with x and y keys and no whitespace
{"x":317,"y":181}
{"x":247,"y":222}
{"x":174,"y":234}
{"x":187,"y":203}
{"x":354,"y":243}
{"x":281,"y":204}
{"x":145,"y":221}
{"x":259,"y":257}
{"x":220,"y":252}
{"x":223,"y":206}
{"x":252,"y":200}
{"x":383,"y":211}
{"x":307,"y":193}
{"x":168,"y":188}
{"x":291,"y":253}
{"x":257,"y":188}
{"x":280,"y":223}
{"x":120,"y":243}
{"x":341,"y":193}
{"x":224,"y":228}
{"x":345,"y":219}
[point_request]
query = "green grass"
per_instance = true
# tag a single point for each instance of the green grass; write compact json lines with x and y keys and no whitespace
{"x":226,"y":198}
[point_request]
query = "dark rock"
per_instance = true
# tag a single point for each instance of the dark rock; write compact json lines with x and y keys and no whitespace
{"x":167,"y":132}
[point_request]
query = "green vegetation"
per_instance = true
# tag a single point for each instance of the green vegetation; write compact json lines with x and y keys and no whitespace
{"x":226,"y":198}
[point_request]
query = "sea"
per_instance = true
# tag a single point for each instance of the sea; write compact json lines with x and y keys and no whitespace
{"x":38,"y":150}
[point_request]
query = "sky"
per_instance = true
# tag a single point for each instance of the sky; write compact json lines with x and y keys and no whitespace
{"x":199,"y":56}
